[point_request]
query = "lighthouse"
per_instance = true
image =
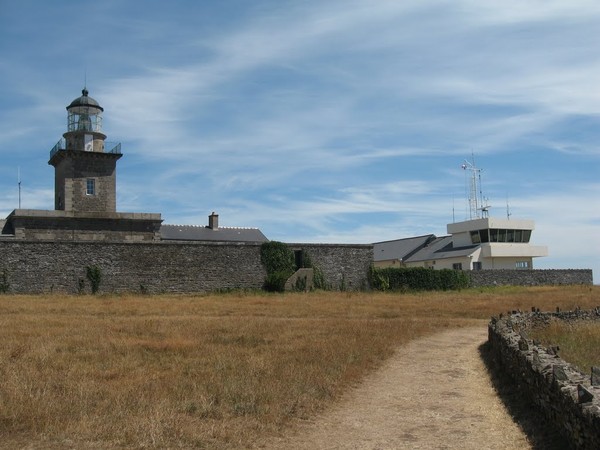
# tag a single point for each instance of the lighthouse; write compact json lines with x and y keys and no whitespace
{"x":85,"y":185}
{"x":84,"y":170}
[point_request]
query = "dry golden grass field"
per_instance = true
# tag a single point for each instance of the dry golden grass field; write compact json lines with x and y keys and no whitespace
{"x":211,"y":371}
{"x":579,"y":343}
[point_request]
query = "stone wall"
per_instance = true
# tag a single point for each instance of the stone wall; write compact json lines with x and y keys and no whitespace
{"x":40,"y":225}
{"x":530,"y":277}
{"x":569,"y":399}
{"x":344,"y":266}
{"x":36,"y":267}
{"x":72,"y":170}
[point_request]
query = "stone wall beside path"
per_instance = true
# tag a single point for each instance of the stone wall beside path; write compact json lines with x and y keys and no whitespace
{"x":566,"y":397}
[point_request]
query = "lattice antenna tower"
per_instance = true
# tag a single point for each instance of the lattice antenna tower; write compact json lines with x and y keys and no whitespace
{"x":478,"y":206}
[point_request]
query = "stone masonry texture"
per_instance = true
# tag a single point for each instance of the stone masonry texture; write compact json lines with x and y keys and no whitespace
{"x":345,"y":267}
{"x":38,"y":267}
{"x":73,"y":168}
{"x":481,"y":278}
{"x":566,"y":396}
{"x":57,"y":266}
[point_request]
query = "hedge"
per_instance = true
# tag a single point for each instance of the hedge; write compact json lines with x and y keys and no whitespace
{"x":417,"y":278}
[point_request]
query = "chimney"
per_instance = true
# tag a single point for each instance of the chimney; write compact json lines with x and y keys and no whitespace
{"x":213,"y":221}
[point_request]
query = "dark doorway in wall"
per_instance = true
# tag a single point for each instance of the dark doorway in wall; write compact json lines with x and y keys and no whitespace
{"x":299,"y":258}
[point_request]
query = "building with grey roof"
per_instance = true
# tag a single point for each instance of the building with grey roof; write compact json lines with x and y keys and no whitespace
{"x":397,"y":252}
{"x":482,"y":243}
{"x":210,"y":233}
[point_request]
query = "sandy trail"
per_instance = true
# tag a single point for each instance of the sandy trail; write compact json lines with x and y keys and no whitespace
{"x":434,"y":393}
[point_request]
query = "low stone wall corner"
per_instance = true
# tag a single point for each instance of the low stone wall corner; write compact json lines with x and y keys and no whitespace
{"x":567,"y":398}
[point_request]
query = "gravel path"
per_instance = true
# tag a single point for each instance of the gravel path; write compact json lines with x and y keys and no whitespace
{"x":434,"y":393}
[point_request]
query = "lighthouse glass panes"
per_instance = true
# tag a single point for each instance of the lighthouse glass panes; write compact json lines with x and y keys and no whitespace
{"x":84,"y":118}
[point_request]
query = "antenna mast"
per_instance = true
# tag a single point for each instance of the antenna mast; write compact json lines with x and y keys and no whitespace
{"x":19,"y":183}
{"x":453,"y":218}
{"x":478,"y":207}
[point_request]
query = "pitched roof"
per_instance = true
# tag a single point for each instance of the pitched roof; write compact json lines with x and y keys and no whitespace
{"x":400,"y":249}
{"x":201,"y":233}
{"x":440,"y":248}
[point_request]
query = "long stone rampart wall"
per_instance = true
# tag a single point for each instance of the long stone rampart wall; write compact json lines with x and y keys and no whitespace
{"x":567,"y":397}
{"x":44,"y":266}
{"x":37,"y":267}
{"x":544,"y":277}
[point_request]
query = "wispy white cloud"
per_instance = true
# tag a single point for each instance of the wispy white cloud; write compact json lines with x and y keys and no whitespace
{"x":30,"y":199}
{"x":567,"y":222}
{"x":341,"y":121}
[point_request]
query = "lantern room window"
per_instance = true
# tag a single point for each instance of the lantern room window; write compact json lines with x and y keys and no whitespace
{"x":85,"y":119}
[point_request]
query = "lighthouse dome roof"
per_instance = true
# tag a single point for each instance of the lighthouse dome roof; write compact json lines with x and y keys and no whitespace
{"x":85,"y":101}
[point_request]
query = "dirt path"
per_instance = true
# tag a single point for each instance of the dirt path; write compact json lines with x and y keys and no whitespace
{"x":434,"y":393}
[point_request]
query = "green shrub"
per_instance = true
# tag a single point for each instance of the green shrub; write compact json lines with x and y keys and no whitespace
{"x":379,"y":280}
{"x":319,"y":278}
{"x":4,"y":284}
{"x":301,"y":283}
{"x":318,"y":275}
{"x":278,"y":260}
{"x":417,"y":278}
{"x":280,"y":263}
{"x":94,"y":275}
{"x":277,"y":257}
{"x":275,"y":282}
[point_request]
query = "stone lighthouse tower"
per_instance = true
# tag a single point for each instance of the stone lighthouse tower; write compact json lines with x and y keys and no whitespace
{"x":85,"y":172}
{"x":85,"y":207}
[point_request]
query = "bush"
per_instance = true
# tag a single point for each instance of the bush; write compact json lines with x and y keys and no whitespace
{"x":275,"y":282}
{"x":319,"y":278}
{"x":318,"y":275}
{"x":278,"y":260}
{"x":417,"y":278}
{"x":94,"y":275}
{"x":379,"y":281}
{"x":280,"y":263}
{"x":301,"y":283}
{"x":277,"y":257}
{"x":4,"y":284}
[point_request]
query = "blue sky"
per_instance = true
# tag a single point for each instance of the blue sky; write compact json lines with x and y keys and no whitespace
{"x":319,"y":121}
